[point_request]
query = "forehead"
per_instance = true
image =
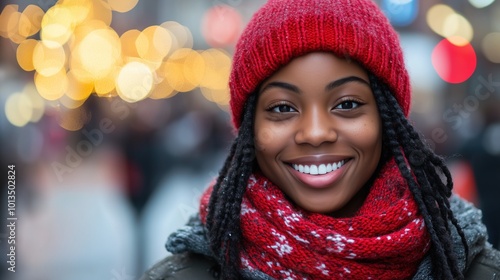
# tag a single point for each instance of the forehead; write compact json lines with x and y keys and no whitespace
{"x":319,"y":65}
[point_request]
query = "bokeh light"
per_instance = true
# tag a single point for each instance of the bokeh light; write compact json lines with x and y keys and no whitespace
{"x":78,"y":90}
{"x":446,"y":22}
{"x":454,"y":64}
{"x":5,"y":20}
{"x":24,"y":54}
{"x":491,"y":47}
{"x":99,"y":52}
{"x":481,"y":3}
{"x":18,"y":109}
{"x":37,"y":102}
{"x":49,"y":58}
{"x":128,"y":43}
{"x":52,"y":87}
{"x":32,"y":17}
{"x":74,"y":119}
{"x":79,"y":54}
{"x":400,"y":12}
{"x":57,"y":24}
{"x":153,"y":44}
{"x":122,"y":6}
{"x":134,"y":82}
{"x":221,"y":26}
{"x":181,"y":35}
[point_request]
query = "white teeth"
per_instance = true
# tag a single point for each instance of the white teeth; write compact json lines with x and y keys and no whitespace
{"x":313,"y":170}
{"x":321,"y":169}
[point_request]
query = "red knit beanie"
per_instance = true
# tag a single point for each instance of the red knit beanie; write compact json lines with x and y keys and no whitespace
{"x":285,"y":29}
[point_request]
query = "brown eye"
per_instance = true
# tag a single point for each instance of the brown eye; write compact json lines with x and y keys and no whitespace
{"x":282,"y":109}
{"x":348,"y":105}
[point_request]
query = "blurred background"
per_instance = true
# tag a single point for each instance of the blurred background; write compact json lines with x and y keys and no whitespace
{"x":114,"y":113}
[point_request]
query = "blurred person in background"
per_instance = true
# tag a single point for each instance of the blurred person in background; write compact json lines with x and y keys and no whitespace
{"x":327,"y":179}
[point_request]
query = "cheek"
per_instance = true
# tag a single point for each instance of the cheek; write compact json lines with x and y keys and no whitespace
{"x":264,"y":138}
{"x":367,"y":136}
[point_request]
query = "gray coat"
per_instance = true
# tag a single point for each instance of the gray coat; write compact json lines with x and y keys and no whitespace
{"x":192,"y":258}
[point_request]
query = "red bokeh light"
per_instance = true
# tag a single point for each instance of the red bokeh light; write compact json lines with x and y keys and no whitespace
{"x":454,"y":64}
{"x":221,"y":26}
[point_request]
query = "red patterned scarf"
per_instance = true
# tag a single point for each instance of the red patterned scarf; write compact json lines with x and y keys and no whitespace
{"x":386,"y":239}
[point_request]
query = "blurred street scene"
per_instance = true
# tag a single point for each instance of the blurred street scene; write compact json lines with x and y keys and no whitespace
{"x":114,"y":117}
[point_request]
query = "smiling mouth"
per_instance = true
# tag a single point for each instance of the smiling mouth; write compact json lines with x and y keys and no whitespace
{"x":320,"y":169}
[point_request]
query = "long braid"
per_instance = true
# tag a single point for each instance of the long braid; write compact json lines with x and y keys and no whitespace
{"x":223,"y":217}
{"x":424,"y":179}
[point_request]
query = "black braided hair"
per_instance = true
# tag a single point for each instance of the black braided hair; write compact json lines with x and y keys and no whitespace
{"x":426,"y":174}
{"x":223,"y":218}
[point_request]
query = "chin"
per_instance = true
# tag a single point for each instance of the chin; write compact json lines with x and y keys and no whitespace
{"x":322,"y":209}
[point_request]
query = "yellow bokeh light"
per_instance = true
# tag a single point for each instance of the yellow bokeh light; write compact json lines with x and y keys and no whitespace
{"x":122,"y":6}
{"x":181,"y":35}
{"x":57,"y":24}
{"x":457,"y":26}
{"x":74,"y":119}
{"x":35,"y":15}
{"x":13,"y":28}
{"x":24,"y":26}
{"x":134,"y":81}
{"x":5,"y":19}
{"x":24,"y":54}
{"x":128,"y":41}
{"x":217,"y":69}
{"x":52,"y":87}
{"x":79,"y":10}
{"x":153,"y":43}
{"x":84,"y":29}
{"x":78,"y":90}
{"x":443,"y":20}
{"x":194,"y":67}
{"x":436,"y":17}
{"x":38,"y":104}
{"x":56,"y":33}
{"x":219,"y":96}
{"x":48,"y":58}
{"x":100,"y":10}
{"x":174,"y":70}
{"x":99,"y":52}
{"x":18,"y":109}
{"x":162,"y":90}
{"x":70,"y":103}
{"x":491,"y":46}
{"x":105,"y":85}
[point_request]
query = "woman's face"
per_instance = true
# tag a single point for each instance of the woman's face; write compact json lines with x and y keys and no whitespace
{"x":318,"y":133}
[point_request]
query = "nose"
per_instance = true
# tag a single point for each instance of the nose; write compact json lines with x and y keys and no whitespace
{"x":316,"y":127}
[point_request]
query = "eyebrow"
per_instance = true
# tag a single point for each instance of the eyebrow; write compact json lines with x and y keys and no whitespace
{"x":330,"y":86}
{"x":346,"y":80}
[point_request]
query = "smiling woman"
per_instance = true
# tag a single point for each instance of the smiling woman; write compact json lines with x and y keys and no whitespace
{"x":327,"y":178}
{"x":327,"y":132}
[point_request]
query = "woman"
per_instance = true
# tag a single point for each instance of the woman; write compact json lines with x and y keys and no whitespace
{"x":327,"y":179}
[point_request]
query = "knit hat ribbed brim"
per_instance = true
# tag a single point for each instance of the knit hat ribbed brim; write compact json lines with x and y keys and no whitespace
{"x":285,"y":29}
